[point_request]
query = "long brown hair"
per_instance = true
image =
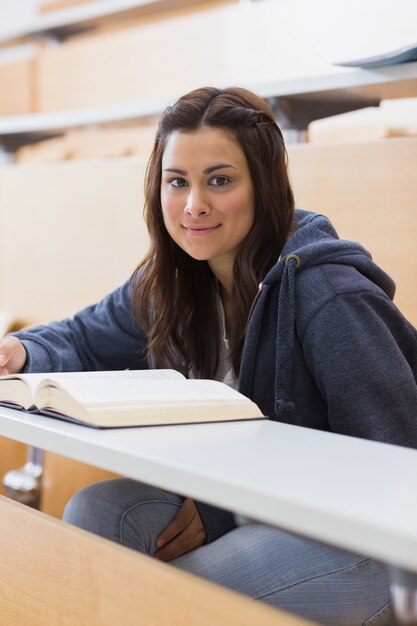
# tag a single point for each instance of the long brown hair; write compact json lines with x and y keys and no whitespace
{"x":174,"y":297}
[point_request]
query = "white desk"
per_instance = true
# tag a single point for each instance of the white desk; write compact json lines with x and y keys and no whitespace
{"x":351,"y":493}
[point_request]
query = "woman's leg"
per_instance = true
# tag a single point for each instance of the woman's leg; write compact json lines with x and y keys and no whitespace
{"x":125,"y":511}
{"x":331,"y":587}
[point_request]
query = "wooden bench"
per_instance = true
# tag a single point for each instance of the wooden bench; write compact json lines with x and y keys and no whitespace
{"x":53,"y":573}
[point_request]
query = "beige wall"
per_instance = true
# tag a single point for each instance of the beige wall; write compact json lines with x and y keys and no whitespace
{"x":70,"y":232}
{"x":369,"y":190}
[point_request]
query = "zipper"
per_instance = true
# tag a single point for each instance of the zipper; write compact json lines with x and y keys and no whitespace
{"x":255,"y":300}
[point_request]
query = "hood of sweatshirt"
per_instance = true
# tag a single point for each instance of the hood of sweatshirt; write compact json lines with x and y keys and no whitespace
{"x":314,"y":242}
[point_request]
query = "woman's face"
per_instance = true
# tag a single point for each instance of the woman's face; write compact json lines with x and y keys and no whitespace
{"x":207,"y":196}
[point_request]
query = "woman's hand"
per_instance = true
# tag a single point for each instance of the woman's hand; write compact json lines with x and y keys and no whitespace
{"x":183,"y":534}
{"x":12,"y":355}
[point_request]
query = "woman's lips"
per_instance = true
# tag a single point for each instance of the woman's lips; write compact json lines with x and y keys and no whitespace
{"x":200,"y":231}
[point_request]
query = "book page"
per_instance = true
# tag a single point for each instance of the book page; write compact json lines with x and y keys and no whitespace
{"x":98,"y":391}
{"x":116,"y":376}
{"x":22,"y":388}
{"x":30,"y":380}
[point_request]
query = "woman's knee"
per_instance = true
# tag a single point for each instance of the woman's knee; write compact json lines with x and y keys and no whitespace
{"x":124,"y":511}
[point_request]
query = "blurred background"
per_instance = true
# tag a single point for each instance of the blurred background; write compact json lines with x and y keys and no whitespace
{"x":82,"y":84}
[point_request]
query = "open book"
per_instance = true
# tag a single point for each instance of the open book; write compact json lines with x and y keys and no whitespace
{"x":126,"y":398}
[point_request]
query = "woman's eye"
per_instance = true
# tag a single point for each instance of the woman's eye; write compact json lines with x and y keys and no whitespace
{"x":177,"y":182}
{"x":219,"y":181}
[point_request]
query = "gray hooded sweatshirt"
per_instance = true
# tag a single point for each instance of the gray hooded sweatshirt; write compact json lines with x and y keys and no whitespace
{"x":325,"y":346}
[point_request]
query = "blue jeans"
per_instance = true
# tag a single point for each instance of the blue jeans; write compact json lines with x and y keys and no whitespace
{"x":329,"y":586}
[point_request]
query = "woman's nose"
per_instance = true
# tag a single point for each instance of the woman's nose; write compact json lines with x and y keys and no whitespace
{"x":196,"y":204}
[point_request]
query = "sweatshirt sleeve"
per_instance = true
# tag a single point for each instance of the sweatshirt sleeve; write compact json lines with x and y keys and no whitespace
{"x":100,"y":337}
{"x":362,"y":354}
{"x":103,"y":337}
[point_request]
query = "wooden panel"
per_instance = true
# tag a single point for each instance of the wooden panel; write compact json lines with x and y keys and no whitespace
{"x":132,"y":64}
{"x":163,"y":10}
{"x":62,"y":478}
{"x":152,"y":10}
{"x":52,"y":573}
{"x":57,"y":5}
{"x":81,"y":227}
{"x":13,"y":455}
{"x":91,"y":144}
{"x":369,"y":191}
{"x":392,"y":118}
{"x":17,"y":87}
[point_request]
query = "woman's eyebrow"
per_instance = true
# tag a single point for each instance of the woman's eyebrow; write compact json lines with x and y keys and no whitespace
{"x":175,"y":170}
{"x":208,"y":170}
{"x":220,"y":166}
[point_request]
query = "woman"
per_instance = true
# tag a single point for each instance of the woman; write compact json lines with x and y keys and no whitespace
{"x":239,"y":287}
